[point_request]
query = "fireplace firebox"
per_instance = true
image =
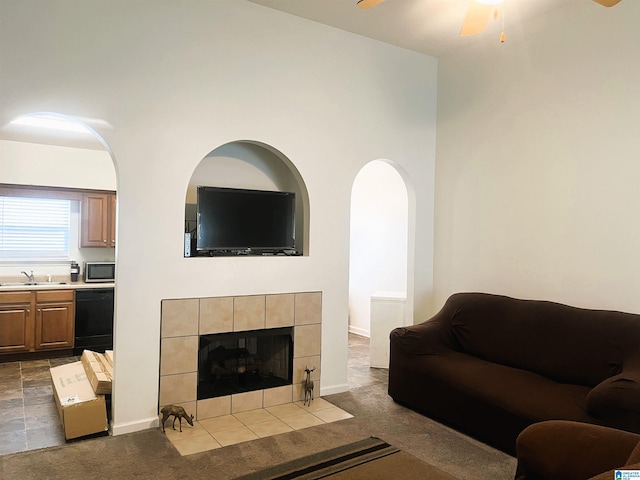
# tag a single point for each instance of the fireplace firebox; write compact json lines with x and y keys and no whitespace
{"x":238,"y":362}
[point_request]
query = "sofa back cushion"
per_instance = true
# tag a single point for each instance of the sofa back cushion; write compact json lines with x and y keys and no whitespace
{"x":563,"y":343}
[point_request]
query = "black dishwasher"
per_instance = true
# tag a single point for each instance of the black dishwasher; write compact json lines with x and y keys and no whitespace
{"x":94,"y":320}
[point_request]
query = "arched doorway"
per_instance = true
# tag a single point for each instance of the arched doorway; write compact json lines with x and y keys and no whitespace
{"x":378,"y":241}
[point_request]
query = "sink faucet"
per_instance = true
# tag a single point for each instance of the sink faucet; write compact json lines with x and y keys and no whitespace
{"x":31,"y":278}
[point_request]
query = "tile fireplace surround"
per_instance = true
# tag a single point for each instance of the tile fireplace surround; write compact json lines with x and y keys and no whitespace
{"x":184,"y":320}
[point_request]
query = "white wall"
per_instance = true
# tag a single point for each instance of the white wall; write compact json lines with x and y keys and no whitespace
{"x":379,"y":228}
{"x":54,"y":166}
{"x":537,"y":161}
{"x":175,"y":81}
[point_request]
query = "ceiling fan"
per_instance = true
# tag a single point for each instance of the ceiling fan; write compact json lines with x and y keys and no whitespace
{"x":478,"y":13}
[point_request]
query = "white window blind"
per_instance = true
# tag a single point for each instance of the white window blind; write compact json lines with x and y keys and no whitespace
{"x":34,"y":228}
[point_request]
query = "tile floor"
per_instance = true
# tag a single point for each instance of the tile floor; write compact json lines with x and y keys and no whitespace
{"x":28,"y":415}
{"x":29,"y":419}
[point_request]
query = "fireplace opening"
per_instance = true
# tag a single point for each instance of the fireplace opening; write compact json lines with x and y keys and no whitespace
{"x":240,"y":362}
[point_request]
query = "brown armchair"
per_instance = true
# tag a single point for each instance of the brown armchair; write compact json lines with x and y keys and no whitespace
{"x":566,"y":450}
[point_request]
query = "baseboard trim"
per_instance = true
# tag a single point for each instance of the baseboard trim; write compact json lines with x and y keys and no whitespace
{"x":334,"y":389}
{"x":130,"y":427}
{"x":359,"y":331}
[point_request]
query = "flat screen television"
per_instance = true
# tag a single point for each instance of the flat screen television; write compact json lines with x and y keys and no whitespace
{"x":240,"y":221}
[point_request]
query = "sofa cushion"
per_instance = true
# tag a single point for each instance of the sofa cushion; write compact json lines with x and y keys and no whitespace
{"x":563,"y":343}
{"x":523,"y":394}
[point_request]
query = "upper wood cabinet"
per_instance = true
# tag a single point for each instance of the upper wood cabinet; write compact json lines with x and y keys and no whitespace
{"x":98,"y":222}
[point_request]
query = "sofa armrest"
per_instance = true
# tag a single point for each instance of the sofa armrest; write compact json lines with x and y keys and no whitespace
{"x":560,"y":449}
{"x":617,"y":400}
{"x":427,"y":338}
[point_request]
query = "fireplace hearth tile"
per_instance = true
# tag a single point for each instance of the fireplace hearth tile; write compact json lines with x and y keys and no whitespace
{"x":277,"y":396}
{"x":308,"y":308}
{"x":248,"y":313}
{"x":179,"y":388}
{"x":187,"y":430}
{"x":280,"y":310}
{"x":316,"y":405}
{"x":332,"y":414}
{"x":229,"y":429}
{"x":287,"y":410}
{"x":234,"y":435}
{"x":180,"y":317}
{"x":200,"y":443}
{"x":214,"y":407}
{"x":254,"y":416}
{"x":179,"y":355}
{"x":220,"y":424}
{"x":300,"y":363}
{"x":307,"y":340}
{"x":216,"y":315}
{"x":268,"y":429}
{"x":304,"y":420}
{"x":243,"y":402}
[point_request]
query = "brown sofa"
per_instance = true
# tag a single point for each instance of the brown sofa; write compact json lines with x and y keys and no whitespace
{"x":563,"y":450}
{"x":490,"y":366}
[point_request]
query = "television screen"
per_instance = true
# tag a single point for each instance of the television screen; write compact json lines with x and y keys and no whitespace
{"x":232,"y":220}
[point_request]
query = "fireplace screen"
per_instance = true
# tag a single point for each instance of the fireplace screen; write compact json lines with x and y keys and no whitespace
{"x":244,"y":361}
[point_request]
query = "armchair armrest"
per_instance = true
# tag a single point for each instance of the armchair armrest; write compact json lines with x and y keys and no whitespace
{"x":560,"y":449}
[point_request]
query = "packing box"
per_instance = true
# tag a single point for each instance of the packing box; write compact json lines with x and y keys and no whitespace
{"x":99,"y":371}
{"x":108,"y":354}
{"x":81,"y":410}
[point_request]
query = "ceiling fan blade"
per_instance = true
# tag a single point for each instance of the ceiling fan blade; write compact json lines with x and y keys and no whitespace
{"x":607,"y":3}
{"x":477,"y":18}
{"x":368,"y":3}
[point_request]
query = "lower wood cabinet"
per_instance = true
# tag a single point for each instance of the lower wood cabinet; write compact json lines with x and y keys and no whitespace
{"x":36,"y":320}
{"x":16,"y":322}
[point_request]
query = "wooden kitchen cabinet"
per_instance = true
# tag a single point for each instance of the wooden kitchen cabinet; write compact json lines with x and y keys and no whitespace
{"x":98,"y":221}
{"x":54,"y":320}
{"x":16,"y":322}
{"x":38,"y":320}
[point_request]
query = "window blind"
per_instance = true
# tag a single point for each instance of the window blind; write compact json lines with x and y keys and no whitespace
{"x":34,"y":228}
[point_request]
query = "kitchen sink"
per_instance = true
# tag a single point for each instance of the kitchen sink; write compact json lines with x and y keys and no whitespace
{"x":30,"y":284}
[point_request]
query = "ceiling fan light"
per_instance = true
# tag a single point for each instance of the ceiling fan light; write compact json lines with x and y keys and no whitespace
{"x":368,"y":3}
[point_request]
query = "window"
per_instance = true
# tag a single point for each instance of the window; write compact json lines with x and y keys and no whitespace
{"x":34,"y":228}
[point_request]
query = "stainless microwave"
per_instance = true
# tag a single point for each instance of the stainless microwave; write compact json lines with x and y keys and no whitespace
{"x":99,"y":271}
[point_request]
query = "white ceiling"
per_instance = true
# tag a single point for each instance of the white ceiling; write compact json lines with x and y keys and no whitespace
{"x":431,"y":27}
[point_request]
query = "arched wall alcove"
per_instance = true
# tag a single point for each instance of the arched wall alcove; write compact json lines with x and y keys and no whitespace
{"x":251,"y":165}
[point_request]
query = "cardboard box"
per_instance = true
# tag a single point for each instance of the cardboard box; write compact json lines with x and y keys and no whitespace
{"x":108,"y":354}
{"x":81,"y":410}
{"x":99,"y":371}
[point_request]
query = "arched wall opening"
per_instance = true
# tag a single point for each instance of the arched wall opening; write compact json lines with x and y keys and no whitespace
{"x":47,"y":149}
{"x":381,"y":245}
{"x":56,"y":155}
{"x":251,"y":165}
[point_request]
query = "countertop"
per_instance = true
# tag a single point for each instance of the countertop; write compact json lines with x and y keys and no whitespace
{"x":66,"y":286}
